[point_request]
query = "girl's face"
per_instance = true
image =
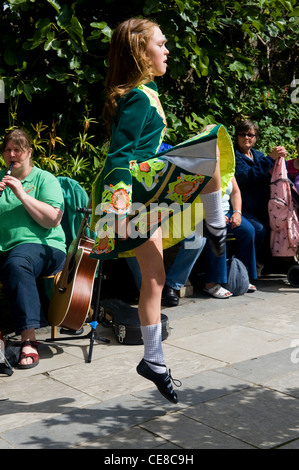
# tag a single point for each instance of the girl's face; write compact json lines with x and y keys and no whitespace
{"x":157,"y":52}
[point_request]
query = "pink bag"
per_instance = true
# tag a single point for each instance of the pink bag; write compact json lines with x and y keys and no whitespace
{"x":283,"y":216}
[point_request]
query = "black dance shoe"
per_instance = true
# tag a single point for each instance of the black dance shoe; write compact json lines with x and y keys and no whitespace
{"x":216,"y":242}
{"x":169,"y":297}
{"x":162,"y":381}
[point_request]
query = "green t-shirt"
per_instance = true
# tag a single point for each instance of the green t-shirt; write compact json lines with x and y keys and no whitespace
{"x":17,"y":226}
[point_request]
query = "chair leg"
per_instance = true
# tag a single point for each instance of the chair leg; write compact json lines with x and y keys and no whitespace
{"x":53,"y":331}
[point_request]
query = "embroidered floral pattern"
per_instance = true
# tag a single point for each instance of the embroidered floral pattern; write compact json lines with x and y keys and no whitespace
{"x":28,"y":188}
{"x":117,"y":198}
{"x":148,"y":173}
{"x":155,"y":102}
{"x":105,"y":242}
{"x":182,"y":189}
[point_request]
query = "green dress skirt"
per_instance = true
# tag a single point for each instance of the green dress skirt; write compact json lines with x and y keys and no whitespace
{"x":165,"y":192}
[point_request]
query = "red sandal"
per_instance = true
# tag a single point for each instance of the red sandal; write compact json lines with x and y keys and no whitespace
{"x":34,"y":356}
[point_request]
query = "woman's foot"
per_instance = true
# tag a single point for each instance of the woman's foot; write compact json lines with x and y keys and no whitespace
{"x":162,"y":381}
{"x":217,"y":291}
{"x":29,"y":356}
{"x":252,"y":288}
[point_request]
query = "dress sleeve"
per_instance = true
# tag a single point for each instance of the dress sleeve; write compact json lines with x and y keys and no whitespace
{"x":133,"y":111}
{"x":126,"y":132}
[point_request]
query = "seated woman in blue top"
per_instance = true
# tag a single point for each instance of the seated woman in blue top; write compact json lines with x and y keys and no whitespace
{"x":253,"y":177}
{"x":242,"y":230}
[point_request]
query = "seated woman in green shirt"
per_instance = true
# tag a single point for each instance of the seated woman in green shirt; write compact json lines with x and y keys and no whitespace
{"x":32,"y":241}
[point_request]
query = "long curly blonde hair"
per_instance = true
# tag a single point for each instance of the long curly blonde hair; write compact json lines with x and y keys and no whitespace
{"x":128,"y":63}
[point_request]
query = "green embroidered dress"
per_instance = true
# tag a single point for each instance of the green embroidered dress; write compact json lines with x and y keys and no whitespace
{"x":152,"y":188}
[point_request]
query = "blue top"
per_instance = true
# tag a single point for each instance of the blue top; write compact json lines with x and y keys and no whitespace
{"x":253,"y":178}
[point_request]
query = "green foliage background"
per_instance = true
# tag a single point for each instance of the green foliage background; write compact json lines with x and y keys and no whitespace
{"x":228,"y":60}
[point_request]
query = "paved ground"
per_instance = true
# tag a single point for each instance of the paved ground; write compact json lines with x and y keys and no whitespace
{"x":238,"y":360}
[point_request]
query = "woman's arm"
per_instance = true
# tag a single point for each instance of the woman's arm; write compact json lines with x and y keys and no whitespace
{"x":236,"y":203}
{"x":44,"y":214}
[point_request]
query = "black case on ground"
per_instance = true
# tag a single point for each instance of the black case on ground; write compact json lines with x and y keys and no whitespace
{"x":125,"y":321}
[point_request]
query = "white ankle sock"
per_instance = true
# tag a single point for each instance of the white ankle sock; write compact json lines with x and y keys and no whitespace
{"x":214,"y":215}
{"x":153,"y":352}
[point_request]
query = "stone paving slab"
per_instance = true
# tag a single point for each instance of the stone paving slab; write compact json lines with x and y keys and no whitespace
{"x":84,"y":424}
{"x":260,"y":417}
{"x":33,"y":399}
{"x":265,"y":369}
{"x":190,"y":433}
{"x":235,"y":343}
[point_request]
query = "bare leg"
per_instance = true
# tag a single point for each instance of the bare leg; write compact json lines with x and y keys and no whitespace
{"x":152,"y":366}
{"x":150,"y":259}
{"x":215,"y":182}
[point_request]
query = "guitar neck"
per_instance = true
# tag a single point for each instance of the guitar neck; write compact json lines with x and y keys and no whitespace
{"x":75,"y":244}
{"x":72,"y":251}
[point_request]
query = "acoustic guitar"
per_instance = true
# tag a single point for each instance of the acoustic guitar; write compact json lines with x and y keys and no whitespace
{"x":73,"y":286}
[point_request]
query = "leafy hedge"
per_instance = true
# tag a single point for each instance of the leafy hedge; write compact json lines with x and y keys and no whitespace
{"x":228,"y":60}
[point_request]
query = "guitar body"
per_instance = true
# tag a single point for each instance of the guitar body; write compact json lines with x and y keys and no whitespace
{"x":73,"y":287}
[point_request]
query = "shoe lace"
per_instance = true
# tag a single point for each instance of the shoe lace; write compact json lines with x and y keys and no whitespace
{"x":176,"y":382}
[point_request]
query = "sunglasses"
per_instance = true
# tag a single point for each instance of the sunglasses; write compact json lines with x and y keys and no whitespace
{"x":242,"y":134}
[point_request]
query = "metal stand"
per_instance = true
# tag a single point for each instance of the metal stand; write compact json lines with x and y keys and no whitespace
{"x":9,"y":369}
{"x":96,"y":314}
{"x":92,"y":336}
